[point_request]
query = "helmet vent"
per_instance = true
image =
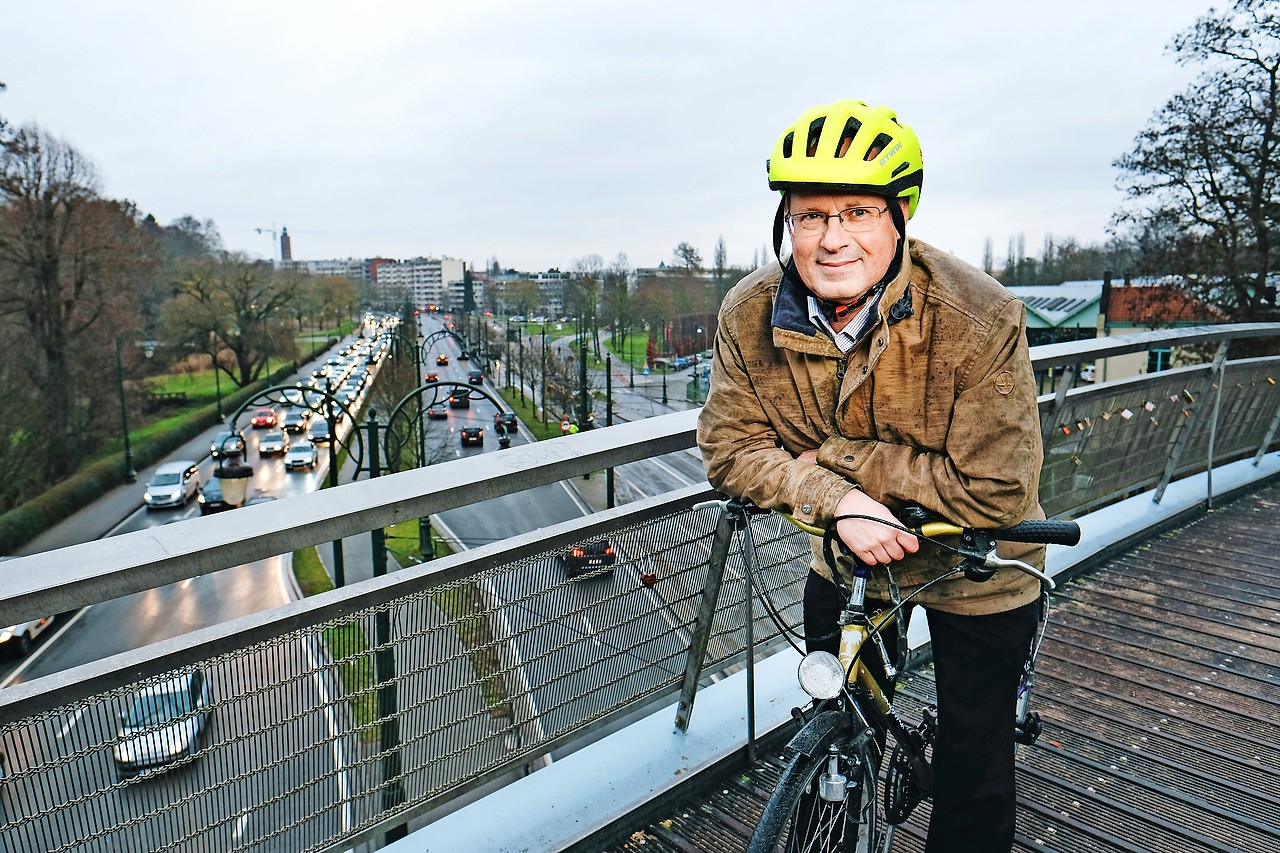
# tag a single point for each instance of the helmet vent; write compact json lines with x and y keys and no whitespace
{"x":851,"y":128}
{"x":902,"y":167}
{"x":880,"y":143}
{"x":815,"y":133}
{"x":787,"y":142}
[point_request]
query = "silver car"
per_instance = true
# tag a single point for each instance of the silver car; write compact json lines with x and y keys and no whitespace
{"x":164,"y":723}
{"x":301,"y":455}
{"x":273,"y":443}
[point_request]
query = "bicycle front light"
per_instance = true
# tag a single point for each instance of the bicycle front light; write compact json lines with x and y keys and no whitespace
{"x":821,"y":675}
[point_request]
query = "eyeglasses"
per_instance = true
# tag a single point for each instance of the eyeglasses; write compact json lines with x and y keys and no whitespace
{"x":853,"y":219}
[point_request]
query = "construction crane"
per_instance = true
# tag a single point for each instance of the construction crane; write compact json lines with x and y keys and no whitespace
{"x":275,"y":239}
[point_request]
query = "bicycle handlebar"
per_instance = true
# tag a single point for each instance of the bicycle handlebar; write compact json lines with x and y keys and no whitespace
{"x":1045,"y":532}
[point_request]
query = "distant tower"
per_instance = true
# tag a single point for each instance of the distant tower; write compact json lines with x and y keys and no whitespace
{"x":286,"y":246}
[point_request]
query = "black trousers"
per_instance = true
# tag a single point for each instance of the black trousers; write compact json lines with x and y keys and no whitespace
{"x":977,"y":664}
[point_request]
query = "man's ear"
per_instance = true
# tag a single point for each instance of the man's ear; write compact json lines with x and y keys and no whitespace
{"x":906,"y":206}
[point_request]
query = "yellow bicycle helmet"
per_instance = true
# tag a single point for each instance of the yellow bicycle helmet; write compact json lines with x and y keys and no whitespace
{"x":848,"y":146}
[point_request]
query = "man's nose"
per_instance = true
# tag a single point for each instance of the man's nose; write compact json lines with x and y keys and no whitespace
{"x":834,"y":236}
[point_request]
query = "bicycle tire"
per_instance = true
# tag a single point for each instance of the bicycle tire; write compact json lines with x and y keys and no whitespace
{"x":797,"y":820}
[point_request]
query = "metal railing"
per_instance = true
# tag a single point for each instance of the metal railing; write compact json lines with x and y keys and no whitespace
{"x":317,"y":738}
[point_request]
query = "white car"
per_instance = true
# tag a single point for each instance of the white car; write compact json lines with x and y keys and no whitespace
{"x":173,"y":484}
{"x":301,"y":454}
{"x":164,"y":723}
{"x":20,"y":637}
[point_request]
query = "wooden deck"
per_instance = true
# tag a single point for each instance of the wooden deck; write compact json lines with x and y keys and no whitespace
{"x":1157,"y":684}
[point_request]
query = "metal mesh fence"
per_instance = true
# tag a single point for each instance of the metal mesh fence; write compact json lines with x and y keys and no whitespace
{"x":354,"y":718}
{"x":1112,"y":440}
{"x":320,"y":734}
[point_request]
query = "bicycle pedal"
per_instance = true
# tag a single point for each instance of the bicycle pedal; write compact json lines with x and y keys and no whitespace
{"x":1027,"y":730}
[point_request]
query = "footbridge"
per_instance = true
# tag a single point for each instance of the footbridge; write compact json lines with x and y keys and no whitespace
{"x":487,"y":701}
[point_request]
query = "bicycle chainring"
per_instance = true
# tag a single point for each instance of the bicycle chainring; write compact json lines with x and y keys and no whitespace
{"x":902,"y":793}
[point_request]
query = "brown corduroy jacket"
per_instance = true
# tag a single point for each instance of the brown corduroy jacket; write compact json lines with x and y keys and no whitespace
{"x":936,"y":406}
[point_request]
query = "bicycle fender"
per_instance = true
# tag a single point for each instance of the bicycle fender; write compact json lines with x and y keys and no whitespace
{"x":817,"y":732}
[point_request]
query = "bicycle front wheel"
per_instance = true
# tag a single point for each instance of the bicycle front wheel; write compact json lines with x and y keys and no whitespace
{"x":824,"y":803}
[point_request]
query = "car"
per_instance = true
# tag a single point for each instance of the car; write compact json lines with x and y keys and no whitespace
{"x":273,"y":443}
{"x":263,"y":418}
{"x":506,"y":420}
{"x":163,"y":724}
{"x":457,"y":401}
{"x":318,"y":432}
{"x":211,"y":499}
{"x":436,"y":413}
{"x":442,"y":360}
{"x":475,"y":376}
{"x":19,"y":638}
{"x":301,"y":455}
{"x":173,"y":484}
{"x":431,"y":377}
{"x":472,"y":435}
{"x":295,"y":421}
{"x":227,"y":441}
{"x":589,"y":556}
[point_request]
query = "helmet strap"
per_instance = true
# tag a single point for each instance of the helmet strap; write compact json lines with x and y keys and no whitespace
{"x":778,"y":226}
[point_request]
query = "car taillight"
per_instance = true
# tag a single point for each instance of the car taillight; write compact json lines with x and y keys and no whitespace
{"x":578,"y":552}
{"x":608,"y":551}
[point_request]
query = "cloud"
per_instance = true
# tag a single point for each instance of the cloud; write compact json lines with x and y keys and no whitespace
{"x":539,"y":133}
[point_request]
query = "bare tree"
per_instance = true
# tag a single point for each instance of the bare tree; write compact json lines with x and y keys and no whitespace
{"x":721,"y":263}
{"x":1202,"y":177}
{"x":688,"y":257}
{"x":67,"y":261}
{"x":582,"y":295}
{"x":239,"y":302}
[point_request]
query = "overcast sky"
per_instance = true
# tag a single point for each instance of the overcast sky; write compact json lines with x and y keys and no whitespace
{"x":541,"y":132}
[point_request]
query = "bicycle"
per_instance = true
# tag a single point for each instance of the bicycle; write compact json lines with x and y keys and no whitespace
{"x":826,"y":799}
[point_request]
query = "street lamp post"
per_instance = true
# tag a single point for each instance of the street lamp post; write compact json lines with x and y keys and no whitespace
{"x":544,"y":375}
{"x":697,"y":367}
{"x":521,"y":364}
{"x":665,"y":401}
{"x":426,"y":545}
{"x":217,"y":380}
{"x":130,"y":474}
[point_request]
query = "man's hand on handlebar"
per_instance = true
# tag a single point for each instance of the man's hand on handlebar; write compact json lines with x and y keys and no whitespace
{"x":873,"y":543}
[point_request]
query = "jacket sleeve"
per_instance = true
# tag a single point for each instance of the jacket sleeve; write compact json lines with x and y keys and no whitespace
{"x":741,"y":449}
{"x":988,"y":474}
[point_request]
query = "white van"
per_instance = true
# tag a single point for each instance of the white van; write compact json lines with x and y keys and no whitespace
{"x":173,"y":484}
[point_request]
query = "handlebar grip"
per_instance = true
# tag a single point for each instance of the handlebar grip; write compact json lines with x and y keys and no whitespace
{"x":1046,"y":532}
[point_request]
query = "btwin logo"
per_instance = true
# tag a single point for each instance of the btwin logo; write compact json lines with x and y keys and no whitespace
{"x":885,"y":157}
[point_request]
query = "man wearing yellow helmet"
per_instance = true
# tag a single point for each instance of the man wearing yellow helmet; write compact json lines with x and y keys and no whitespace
{"x":866,"y":372}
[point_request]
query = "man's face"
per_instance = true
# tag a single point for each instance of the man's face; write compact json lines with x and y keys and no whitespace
{"x":835,"y":264}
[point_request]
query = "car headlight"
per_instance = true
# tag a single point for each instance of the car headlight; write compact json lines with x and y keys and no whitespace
{"x":821,"y":675}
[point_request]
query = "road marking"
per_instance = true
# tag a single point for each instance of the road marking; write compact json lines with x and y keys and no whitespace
{"x":336,"y":735}
{"x":39,"y":650}
{"x":590,"y":630}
